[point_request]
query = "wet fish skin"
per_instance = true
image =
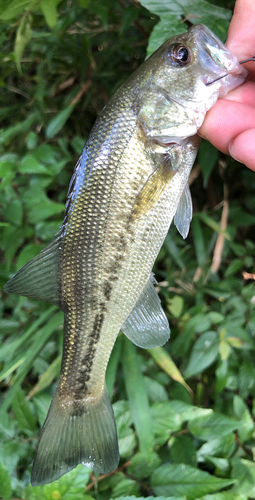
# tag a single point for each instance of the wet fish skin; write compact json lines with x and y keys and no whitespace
{"x":129,"y":183}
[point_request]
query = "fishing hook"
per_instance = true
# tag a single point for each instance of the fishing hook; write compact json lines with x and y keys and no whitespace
{"x":223,"y":76}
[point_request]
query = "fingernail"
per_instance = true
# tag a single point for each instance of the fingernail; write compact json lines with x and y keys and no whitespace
{"x":202,"y":135}
{"x":233,"y":152}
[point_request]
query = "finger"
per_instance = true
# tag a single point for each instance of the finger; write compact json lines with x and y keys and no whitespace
{"x":225,"y":121}
{"x":241,"y":34}
{"x":244,"y":94}
{"x":242,"y":148}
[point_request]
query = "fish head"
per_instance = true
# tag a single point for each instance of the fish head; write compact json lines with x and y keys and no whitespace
{"x":175,"y":88}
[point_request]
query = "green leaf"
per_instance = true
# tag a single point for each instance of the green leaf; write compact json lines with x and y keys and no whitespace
{"x":129,"y":16}
{"x":125,"y":486}
{"x":234,"y":266}
{"x":132,"y":497}
{"x":137,"y":396}
{"x":45,"y":153}
{"x":127,"y":444}
{"x":246,"y":426}
{"x":10,"y":368}
{"x":56,"y":124}
{"x":23,"y":412}
{"x":173,"y":250}
{"x":5,"y":483}
{"x":155,"y":390}
{"x":183,"y":450}
{"x":175,"y":306}
{"x":246,"y":378}
{"x":169,"y":25}
{"x":243,"y":472}
{"x":221,"y":376}
{"x":23,"y":35}
{"x":203,"y":354}
{"x":207,"y":157}
{"x":150,"y":498}
{"x":224,"y":349}
{"x":10,"y":453}
{"x":185,"y":411}
{"x":47,"y":378}
{"x":165,"y":362}
{"x":215,"y":317}
{"x":165,"y":421}
{"x":30,"y":165}
{"x":46,"y":230}
{"x":32,"y":352}
{"x":15,"y":8}
{"x":180,"y":479}
{"x":78,"y":144}
{"x":222,"y":464}
{"x":42,"y":404}
{"x":212,"y":426}
{"x":44,"y":209}
{"x":224,"y":446}
{"x":28,"y":253}
{"x":143,"y":464}
{"x":210,"y":222}
{"x":31,"y":140}
{"x":8,"y":350}
{"x":225,"y":495}
{"x":50,"y":12}
{"x":216,"y":18}
{"x":240,"y":217}
{"x":69,"y":487}
{"x":14,"y":212}
{"x":112,"y":366}
{"x":126,"y":435}
{"x":7,"y":134}
{"x":84,"y":3}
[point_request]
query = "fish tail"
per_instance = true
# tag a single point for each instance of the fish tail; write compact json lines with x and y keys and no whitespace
{"x":79,"y":431}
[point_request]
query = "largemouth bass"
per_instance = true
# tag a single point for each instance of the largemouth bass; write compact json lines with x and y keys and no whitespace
{"x":129,"y":183}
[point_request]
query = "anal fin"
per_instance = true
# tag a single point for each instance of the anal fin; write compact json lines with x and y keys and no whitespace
{"x":147,"y":325}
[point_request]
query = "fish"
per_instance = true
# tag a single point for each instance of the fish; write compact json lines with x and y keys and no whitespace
{"x":130,"y":181}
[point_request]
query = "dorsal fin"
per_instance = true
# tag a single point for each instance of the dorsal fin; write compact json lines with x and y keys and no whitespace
{"x":39,"y":278}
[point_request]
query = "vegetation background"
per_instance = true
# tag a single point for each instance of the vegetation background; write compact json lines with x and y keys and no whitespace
{"x":185,"y":412}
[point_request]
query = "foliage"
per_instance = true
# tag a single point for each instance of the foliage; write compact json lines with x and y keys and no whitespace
{"x":184,"y":412}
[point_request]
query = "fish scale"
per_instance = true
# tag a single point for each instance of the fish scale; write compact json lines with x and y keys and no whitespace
{"x":129,"y":183}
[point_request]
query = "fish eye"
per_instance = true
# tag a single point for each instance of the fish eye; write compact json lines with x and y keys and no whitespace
{"x":180,"y":55}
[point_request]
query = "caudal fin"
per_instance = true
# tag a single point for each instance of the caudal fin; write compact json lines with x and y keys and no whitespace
{"x":81,"y":432}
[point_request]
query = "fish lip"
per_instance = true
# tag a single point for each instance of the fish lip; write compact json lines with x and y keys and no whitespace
{"x":220,"y":61}
{"x":242,"y":75}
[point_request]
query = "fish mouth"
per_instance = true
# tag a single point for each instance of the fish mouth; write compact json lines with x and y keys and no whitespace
{"x":223,"y":67}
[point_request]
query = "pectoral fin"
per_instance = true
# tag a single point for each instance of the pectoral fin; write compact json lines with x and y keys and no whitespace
{"x":147,"y":325}
{"x":152,"y":189}
{"x":184,"y":212}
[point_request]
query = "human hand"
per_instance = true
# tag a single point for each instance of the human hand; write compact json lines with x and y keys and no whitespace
{"x":230,"y":124}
